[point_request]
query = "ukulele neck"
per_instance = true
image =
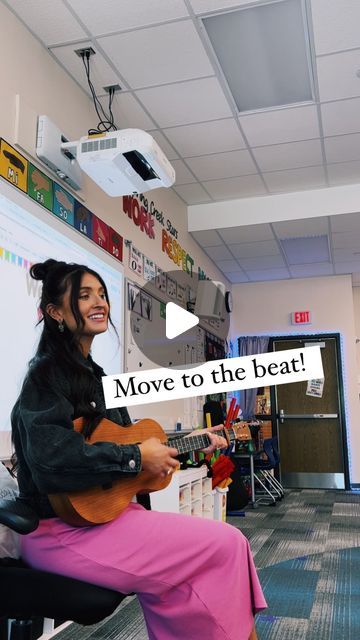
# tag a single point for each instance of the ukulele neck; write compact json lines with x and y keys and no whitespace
{"x":195,"y":443}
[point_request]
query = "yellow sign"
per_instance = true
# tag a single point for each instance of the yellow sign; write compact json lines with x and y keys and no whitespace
{"x":13,"y":166}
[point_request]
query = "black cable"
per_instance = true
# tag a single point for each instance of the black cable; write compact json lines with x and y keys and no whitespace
{"x":106,"y":122}
{"x":111,"y":98}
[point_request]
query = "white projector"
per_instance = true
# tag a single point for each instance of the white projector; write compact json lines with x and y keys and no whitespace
{"x":123,"y":162}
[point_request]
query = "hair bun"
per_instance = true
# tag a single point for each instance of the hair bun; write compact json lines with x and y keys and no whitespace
{"x":40,"y":270}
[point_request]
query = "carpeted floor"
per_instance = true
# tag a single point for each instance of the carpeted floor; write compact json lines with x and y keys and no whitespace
{"x":307,"y":551}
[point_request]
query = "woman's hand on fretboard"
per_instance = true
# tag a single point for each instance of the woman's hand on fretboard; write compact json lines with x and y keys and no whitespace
{"x":217,"y":440}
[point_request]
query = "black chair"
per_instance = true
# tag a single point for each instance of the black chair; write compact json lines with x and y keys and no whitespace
{"x":272,"y":490}
{"x":264,"y":467}
{"x":28,"y":593}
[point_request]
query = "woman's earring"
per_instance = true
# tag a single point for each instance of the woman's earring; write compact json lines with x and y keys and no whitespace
{"x":61,"y":326}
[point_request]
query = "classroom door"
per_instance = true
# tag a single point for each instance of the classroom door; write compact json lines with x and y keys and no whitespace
{"x":310,"y":422}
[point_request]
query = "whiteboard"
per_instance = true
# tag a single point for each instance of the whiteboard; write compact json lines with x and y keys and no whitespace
{"x":29,"y":233}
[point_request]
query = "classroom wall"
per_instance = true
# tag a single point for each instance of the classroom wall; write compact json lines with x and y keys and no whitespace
{"x":32,"y":83}
{"x":264,"y":308}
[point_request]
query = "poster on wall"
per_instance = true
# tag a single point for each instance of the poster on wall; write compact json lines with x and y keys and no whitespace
{"x":149,"y":269}
{"x":100,"y":232}
{"x":134,"y":302}
{"x":136,"y":261}
{"x":171,"y":287}
{"x":181,"y":293}
{"x":40,"y":187}
{"x":63,"y":205}
{"x":146,"y":306}
{"x":160,"y":280}
{"x":115,"y":244}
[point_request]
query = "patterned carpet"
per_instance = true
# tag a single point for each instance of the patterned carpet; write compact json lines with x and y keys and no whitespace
{"x":307,"y":551}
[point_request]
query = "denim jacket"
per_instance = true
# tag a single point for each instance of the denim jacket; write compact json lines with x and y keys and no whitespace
{"x":51,"y":456}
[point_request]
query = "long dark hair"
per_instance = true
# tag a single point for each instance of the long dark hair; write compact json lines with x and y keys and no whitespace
{"x":63,"y":347}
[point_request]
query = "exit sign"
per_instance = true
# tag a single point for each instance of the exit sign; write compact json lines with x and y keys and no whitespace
{"x":301,"y":317}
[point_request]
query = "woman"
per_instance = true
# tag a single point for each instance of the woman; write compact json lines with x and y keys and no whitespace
{"x":194,"y":577}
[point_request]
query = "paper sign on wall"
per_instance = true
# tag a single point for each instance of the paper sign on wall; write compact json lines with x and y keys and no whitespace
{"x":181,"y":293}
{"x":315,"y":388}
{"x":136,"y":260}
{"x":160,"y":279}
{"x":171,"y":287}
{"x":149,"y":269}
{"x":13,"y":166}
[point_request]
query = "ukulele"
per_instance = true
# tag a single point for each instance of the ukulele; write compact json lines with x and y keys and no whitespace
{"x":101,"y":504}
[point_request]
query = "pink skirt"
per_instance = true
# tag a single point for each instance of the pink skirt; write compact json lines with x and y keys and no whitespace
{"x":195,"y":578}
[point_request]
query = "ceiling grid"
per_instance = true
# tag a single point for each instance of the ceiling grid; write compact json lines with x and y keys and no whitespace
{"x":181,"y":96}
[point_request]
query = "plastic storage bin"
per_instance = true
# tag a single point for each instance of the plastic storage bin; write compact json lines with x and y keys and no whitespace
{"x":220,"y":504}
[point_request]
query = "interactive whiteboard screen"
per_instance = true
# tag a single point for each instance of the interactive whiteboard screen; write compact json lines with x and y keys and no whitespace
{"x":27,"y":235}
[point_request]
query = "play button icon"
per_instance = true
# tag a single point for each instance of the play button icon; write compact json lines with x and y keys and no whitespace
{"x":163,"y":329}
{"x":178,"y":320}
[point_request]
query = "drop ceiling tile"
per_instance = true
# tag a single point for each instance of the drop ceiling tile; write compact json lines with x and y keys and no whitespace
{"x":183,"y":175}
{"x":342,"y":148}
{"x":346,"y":267}
{"x":282,"y":125}
{"x":222,"y":165}
{"x":295,"y":179}
{"x":309,"y":270}
{"x":346,"y":240}
{"x":128,"y":113}
{"x":128,"y":51}
{"x":337,"y":75}
{"x":206,"y":137}
{"x":229,"y":188}
{"x":268,"y":274}
{"x":306,"y":250}
{"x":227,"y":265}
{"x":51,"y":22}
{"x":335,"y":24}
{"x":341,"y":117}
{"x":248,"y":233}
{"x":236,"y":277}
{"x":164,"y":145}
{"x":261,"y":262}
{"x":185,"y":102}
{"x":205,"y":6}
{"x":343,"y":173}
{"x":301,"y":228}
{"x":345,"y":222}
{"x":102,"y":75}
{"x":289,"y":155}
{"x":108,"y":16}
{"x":255,"y":249}
{"x":206,"y":238}
{"x":192,"y":193}
{"x":219,"y":253}
{"x":346,"y":255}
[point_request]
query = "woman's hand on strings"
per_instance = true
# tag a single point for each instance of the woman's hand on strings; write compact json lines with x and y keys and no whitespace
{"x":157,"y":458}
{"x":217,"y":441}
